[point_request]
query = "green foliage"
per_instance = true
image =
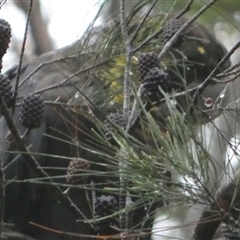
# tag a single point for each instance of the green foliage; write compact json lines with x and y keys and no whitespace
{"x":164,"y":154}
{"x":161,"y":159}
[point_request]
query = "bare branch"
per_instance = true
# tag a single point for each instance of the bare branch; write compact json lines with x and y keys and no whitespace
{"x":22,"y":54}
{"x":169,"y":44}
{"x":126,"y":39}
{"x":186,"y":9}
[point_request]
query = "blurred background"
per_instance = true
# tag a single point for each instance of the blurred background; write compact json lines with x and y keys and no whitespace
{"x":56,"y":23}
{"x":53,"y":24}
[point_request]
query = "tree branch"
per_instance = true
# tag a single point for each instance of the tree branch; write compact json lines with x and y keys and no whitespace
{"x":169,"y":44}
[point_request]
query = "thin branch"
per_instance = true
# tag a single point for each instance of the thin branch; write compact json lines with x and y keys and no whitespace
{"x":64,"y":81}
{"x":134,"y":35}
{"x":135,"y":109}
{"x":169,"y":44}
{"x":230,"y":69}
{"x":186,"y":9}
{"x":126,"y":39}
{"x":85,"y":236}
{"x":224,"y":59}
{"x":21,"y":55}
{"x":2,"y":3}
{"x":146,"y":41}
{"x":126,"y":107}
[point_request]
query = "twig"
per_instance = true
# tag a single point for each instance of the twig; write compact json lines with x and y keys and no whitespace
{"x":230,"y":69}
{"x":146,"y":41}
{"x":224,"y":59}
{"x":2,"y":3}
{"x":85,"y":236}
{"x":123,"y":218}
{"x":232,"y":79}
{"x":220,"y":75}
{"x":135,"y":110}
{"x":94,"y":199}
{"x":21,"y":55}
{"x":134,"y":35}
{"x":169,"y":44}
{"x":64,"y":81}
{"x":186,"y":9}
{"x":126,"y":39}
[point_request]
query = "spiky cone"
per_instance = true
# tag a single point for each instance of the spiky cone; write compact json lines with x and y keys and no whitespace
{"x":117,"y":118}
{"x":76,"y":169}
{"x":169,"y":30}
{"x":153,"y":80}
{"x":146,"y":62}
{"x":5,"y":36}
{"x":6,"y":90}
{"x":32,"y":109}
{"x":104,"y":206}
